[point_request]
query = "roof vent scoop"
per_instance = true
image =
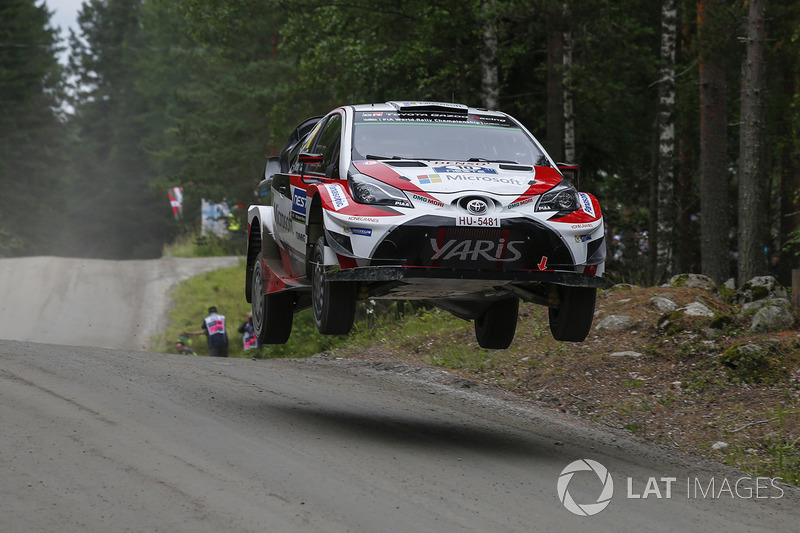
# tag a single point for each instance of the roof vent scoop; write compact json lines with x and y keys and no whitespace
{"x":406,"y":107}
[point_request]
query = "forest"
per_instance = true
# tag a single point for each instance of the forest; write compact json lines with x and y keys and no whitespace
{"x":683,"y":115}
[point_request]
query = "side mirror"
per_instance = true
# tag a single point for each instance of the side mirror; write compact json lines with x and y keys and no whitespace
{"x":309,"y":159}
{"x":273,"y":167}
{"x":571,"y":173}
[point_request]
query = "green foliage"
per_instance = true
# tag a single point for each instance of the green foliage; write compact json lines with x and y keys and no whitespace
{"x":32,"y":152}
{"x":112,"y":210}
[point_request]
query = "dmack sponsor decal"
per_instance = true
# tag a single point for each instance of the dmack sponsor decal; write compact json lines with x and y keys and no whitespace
{"x":427,"y":200}
{"x":520,"y":203}
{"x":586,"y":203}
{"x":468,"y":249}
{"x":337,"y":196}
{"x":472,"y":169}
{"x":299,"y":201}
{"x":582,"y":238}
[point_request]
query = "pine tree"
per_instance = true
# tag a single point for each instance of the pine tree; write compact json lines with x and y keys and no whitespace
{"x":30,"y":131}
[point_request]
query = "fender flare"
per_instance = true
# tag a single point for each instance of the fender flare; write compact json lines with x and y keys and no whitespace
{"x":260,"y":238}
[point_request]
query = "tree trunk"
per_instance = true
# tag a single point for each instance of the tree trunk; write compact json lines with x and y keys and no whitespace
{"x":789,"y":223}
{"x":490,"y":84}
{"x":752,"y":153}
{"x":714,"y":223}
{"x":569,"y":117}
{"x":555,"y":95}
{"x":666,"y":146}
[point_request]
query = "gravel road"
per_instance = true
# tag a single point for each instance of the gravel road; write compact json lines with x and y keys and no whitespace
{"x":97,"y":439}
{"x":91,"y":302}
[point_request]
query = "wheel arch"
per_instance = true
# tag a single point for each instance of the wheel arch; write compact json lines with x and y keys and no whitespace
{"x":315,"y":228}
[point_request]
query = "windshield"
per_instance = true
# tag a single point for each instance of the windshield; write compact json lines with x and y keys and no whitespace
{"x":442,"y":136}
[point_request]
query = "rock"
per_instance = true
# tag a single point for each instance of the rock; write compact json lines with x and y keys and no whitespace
{"x":693,"y":281}
{"x":720,"y":446}
{"x":727,"y":290}
{"x":664,"y":304}
{"x":772,"y":318}
{"x":759,"y":288}
{"x":615,"y":322}
{"x":627,"y":353}
{"x":696,"y":309}
{"x":751,"y":308}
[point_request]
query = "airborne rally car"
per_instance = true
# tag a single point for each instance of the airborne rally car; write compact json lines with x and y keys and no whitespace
{"x":459,"y":207}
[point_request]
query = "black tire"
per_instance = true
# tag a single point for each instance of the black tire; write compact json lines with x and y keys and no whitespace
{"x":572,"y":319}
{"x":333,"y":302}
{"x":495,"y":328}
{"x":272,"y":313}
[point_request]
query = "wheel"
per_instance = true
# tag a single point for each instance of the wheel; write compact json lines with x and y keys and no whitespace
{"x":272,"y":313}
{"x":495,"y":328}
{"x":572,"y":319}
{"x":333,"y":303}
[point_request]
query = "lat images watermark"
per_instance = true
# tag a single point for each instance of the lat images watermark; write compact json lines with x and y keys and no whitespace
{"x":663,"y":487}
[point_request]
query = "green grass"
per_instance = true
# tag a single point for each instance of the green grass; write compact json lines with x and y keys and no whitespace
{"x":224,"y":289}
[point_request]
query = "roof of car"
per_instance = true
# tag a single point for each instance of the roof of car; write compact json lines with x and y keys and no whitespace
{"x":423,"y":106}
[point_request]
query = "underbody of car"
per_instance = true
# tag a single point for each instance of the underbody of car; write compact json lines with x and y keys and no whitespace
{"x":458,"y":207}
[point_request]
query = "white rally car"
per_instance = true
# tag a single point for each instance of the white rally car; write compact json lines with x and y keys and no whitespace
{"x":459,"y":207}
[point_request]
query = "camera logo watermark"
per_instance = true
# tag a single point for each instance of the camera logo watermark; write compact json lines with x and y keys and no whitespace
{"x":585,"y":509}
{"x":664,"y":487}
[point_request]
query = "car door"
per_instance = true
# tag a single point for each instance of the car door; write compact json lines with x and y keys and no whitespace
{"x":291,"y":188}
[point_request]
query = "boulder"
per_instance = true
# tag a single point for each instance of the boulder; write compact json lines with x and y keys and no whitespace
{"x":772,"y":318}
{"x":696,"y":309}
{"x":616,"y":322}
{"x":759,"y":288}
{"x":664,"y":304}
{"x":693,"y":281}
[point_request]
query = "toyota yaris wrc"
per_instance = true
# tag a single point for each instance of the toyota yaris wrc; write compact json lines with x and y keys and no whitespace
{"x":459,"y":207}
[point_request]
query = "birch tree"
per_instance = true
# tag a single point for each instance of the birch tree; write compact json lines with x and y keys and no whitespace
{"x":666,"y":147}
{"x":490,"y":82}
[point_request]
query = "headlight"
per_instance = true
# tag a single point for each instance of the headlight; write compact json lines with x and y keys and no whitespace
{"x":560,"y":200}
{"x":366,"y":190}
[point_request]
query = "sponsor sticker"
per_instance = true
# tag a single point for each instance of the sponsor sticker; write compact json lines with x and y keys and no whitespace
{"x":366,"y":232}
{"x":586,"y":203}
{"x":478,"y":222}
{"x":427,"y":179}
{"x":427,"y":200}
{"x":582,"y":238}
{"x":470,"y":169}
{"x":337,"y":196}
{"x":363,"y":219}
{"x":492,"y":179}
{"x":520,"y":203}
{"x":463,"y":250}
{"x":299,"y":201}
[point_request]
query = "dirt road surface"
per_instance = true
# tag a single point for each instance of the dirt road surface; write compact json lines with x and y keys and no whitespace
{"x":96,"y":440}
{"x":90,"y":302}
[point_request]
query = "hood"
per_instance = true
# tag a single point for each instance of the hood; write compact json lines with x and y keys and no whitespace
{"x":448,"y":177}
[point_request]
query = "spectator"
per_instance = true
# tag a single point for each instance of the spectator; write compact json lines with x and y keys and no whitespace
{"x":181,"y":348}
{"x":249,"y":337}
{"x":213,"y":328}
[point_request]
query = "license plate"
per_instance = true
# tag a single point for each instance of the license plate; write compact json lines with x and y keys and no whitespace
{"x":478,"y":222}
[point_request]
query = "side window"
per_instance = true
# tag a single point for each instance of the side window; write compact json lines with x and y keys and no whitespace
{"x":328,"y":146}
{"x":304,"y":145}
